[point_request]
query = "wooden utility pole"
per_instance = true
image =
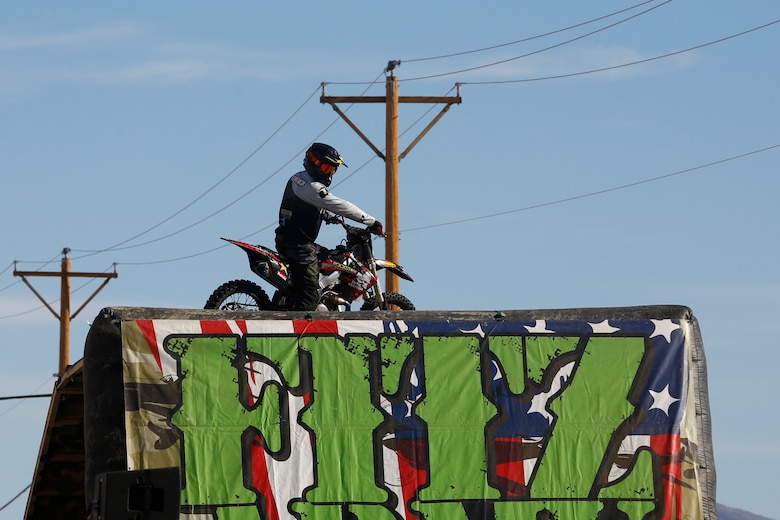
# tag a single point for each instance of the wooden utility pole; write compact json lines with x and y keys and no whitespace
{"x":391,"y":99}
{"x":65,"y":315}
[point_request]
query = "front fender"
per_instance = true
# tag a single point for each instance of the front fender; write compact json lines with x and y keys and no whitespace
{"x":393,"y":268}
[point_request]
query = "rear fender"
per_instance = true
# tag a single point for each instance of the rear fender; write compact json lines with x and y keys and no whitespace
{"x":263,"y":261}
{"x":254,"y":251}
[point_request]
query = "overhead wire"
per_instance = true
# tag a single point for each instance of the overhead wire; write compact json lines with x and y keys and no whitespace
{"x":245,"y":237}
{"x":116,"y":247}
{"x":6,"y":269}
{"x":29,"y":396}
{"x":22,"y":398}
{"x":231,"y":203}
{"x":14,"y":498}
{"x":234,"y":201}
{"x":637,"y":62}
{"x":507,"y":212}
{"x":742,"y":33}
{"x":12,"y":264}
{"x":351,"y":174}
{"x":23,"y":313}
{"x":530,"y":38}
{"x":538,"y":51}
{"x":594,"y":193}
{"x":494,"y":82}
{"x":19,"y":400}
{"x":30,"y":311}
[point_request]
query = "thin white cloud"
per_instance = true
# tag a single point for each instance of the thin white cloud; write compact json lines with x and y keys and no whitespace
{"x":129,"y":53}
{"x":58,"y":40}
{"x":176,"y":70}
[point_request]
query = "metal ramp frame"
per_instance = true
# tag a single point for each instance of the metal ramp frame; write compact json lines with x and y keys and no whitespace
{"x":57,"y":490}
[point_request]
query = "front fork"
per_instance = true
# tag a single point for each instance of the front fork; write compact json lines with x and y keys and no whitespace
{"x":379,"y":297}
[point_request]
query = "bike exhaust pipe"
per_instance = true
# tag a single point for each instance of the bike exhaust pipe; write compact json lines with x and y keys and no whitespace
{"x":334,"y":299}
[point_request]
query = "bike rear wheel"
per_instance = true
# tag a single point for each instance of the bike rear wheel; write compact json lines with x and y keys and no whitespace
{"x":239,"y":295}
{"x":392,"y":301}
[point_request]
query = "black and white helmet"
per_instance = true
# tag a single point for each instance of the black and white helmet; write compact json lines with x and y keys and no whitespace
{"x":322,"y":161}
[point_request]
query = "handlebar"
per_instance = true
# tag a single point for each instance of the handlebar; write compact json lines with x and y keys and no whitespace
{"x":330,"y":218}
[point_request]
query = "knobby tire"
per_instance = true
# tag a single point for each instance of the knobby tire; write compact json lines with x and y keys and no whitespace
{"x":239,"y":295}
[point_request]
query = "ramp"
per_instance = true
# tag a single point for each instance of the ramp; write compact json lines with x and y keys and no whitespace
{"x":573,"y":413}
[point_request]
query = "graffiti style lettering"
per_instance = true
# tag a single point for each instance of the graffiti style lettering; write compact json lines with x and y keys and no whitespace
{"x":393,"y":426}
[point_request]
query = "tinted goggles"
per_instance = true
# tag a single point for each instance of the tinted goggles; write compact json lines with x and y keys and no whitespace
{"x":327,"y":169}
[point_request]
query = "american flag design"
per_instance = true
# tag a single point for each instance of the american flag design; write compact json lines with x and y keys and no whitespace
{"x":457,"y":418}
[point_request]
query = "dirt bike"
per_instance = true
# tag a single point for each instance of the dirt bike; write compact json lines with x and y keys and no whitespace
{"x":347,"y":273}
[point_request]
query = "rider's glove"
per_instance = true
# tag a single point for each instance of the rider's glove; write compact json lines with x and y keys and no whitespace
{"x":376,"y":228}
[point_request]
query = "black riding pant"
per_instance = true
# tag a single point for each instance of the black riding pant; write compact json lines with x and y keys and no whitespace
{"x":304,"y":273}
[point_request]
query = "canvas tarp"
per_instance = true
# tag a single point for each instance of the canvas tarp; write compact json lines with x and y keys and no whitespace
{"x":566,"y":414}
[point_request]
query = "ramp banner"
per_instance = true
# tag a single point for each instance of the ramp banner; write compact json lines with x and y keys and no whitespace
{"x":429,"y":419}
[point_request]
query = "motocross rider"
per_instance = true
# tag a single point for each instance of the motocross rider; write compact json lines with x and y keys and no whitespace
{"x":305,"y":204}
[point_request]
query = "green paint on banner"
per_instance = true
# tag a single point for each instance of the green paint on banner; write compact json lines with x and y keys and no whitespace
{"x":456,"y":412}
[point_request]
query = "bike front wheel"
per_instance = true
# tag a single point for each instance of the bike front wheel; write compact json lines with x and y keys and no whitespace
{"x":239,"y":295}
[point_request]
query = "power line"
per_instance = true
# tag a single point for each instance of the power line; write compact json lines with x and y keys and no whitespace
{"x":638,"y":62}
{"x":14,"y":498}
{"x":228,"y":205}
{"x":177,"y":259}
{"x":13,"y":264}
{"x":530,"y":38}
{"x":201,"y":253}
{"x":223,"y":208}
{"x":186,"y":257}
{"x":116,"y":247}
{"x":599,"y":192}
{"x":502,"y":213}
{"x":31,"y":396}
{"x":4,"y":412}
{"x":30,"y":311}
{"x":65,"y":315}
{"x":538,"y":51}
{"x":561,"y":44}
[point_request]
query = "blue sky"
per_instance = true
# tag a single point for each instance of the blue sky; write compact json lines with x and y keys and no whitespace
{"x":137,"y":135}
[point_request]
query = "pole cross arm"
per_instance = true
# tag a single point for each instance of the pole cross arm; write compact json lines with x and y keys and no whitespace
{"x":107,"y":276}
{"x":70,"y":273}
{"x":450,"y":100}
{"x":447,"y":100}
{"x":64,"y":316}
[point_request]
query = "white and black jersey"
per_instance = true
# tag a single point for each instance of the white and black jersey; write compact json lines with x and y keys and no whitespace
{"x":303,"y":205}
